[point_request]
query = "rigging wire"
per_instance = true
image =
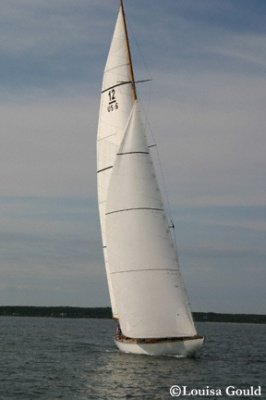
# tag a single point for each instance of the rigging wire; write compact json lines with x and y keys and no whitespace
{"x":148,"y":129}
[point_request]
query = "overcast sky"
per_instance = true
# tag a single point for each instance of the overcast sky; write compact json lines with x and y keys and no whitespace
{"x":206,"y":111}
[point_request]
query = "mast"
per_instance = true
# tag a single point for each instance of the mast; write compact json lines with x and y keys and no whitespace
{"x":134,"y":92}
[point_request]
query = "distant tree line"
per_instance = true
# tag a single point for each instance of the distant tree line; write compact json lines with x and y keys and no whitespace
{"x":217,"y":317}
{"x":105,"y":312}
{"x":56,"y":312}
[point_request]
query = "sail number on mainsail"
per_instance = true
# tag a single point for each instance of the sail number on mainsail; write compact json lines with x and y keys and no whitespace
{"x":112,"y":104}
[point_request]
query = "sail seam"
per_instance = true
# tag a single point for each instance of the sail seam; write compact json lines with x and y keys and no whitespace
{"x":145,"y":269}
{"x":114,"y":86}
{"x":133,"y":152}
{"x":115,"y":67}
{"x":99,"y":139}
{"x":125,"y":83}
{"x":104,"y":169}
{"x":135,"y":208}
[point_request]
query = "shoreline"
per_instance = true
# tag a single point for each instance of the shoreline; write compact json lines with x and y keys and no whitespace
{"x":105,"y":312}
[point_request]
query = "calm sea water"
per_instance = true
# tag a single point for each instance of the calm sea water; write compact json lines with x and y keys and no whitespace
{"x":46,"y":358}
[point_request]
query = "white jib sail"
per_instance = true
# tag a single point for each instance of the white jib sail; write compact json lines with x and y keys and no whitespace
{"x":116,"y":105}
{"x":150,"y":296}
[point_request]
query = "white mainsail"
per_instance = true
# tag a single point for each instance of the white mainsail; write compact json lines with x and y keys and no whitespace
{"x":146,"y":288}
{"x":115,"y":108}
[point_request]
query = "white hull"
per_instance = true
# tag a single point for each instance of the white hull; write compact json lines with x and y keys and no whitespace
{"x":179,"y":348}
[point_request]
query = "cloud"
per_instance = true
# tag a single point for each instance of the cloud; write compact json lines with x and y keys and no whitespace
{"x":51,"y":252}
{"x":48,"y":148}
{"x":51,"y":43}
{"x":211,"y":138}
{"x":247,"y":49}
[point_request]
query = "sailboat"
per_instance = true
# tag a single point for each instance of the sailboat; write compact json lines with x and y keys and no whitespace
{"x":147,"y":294}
